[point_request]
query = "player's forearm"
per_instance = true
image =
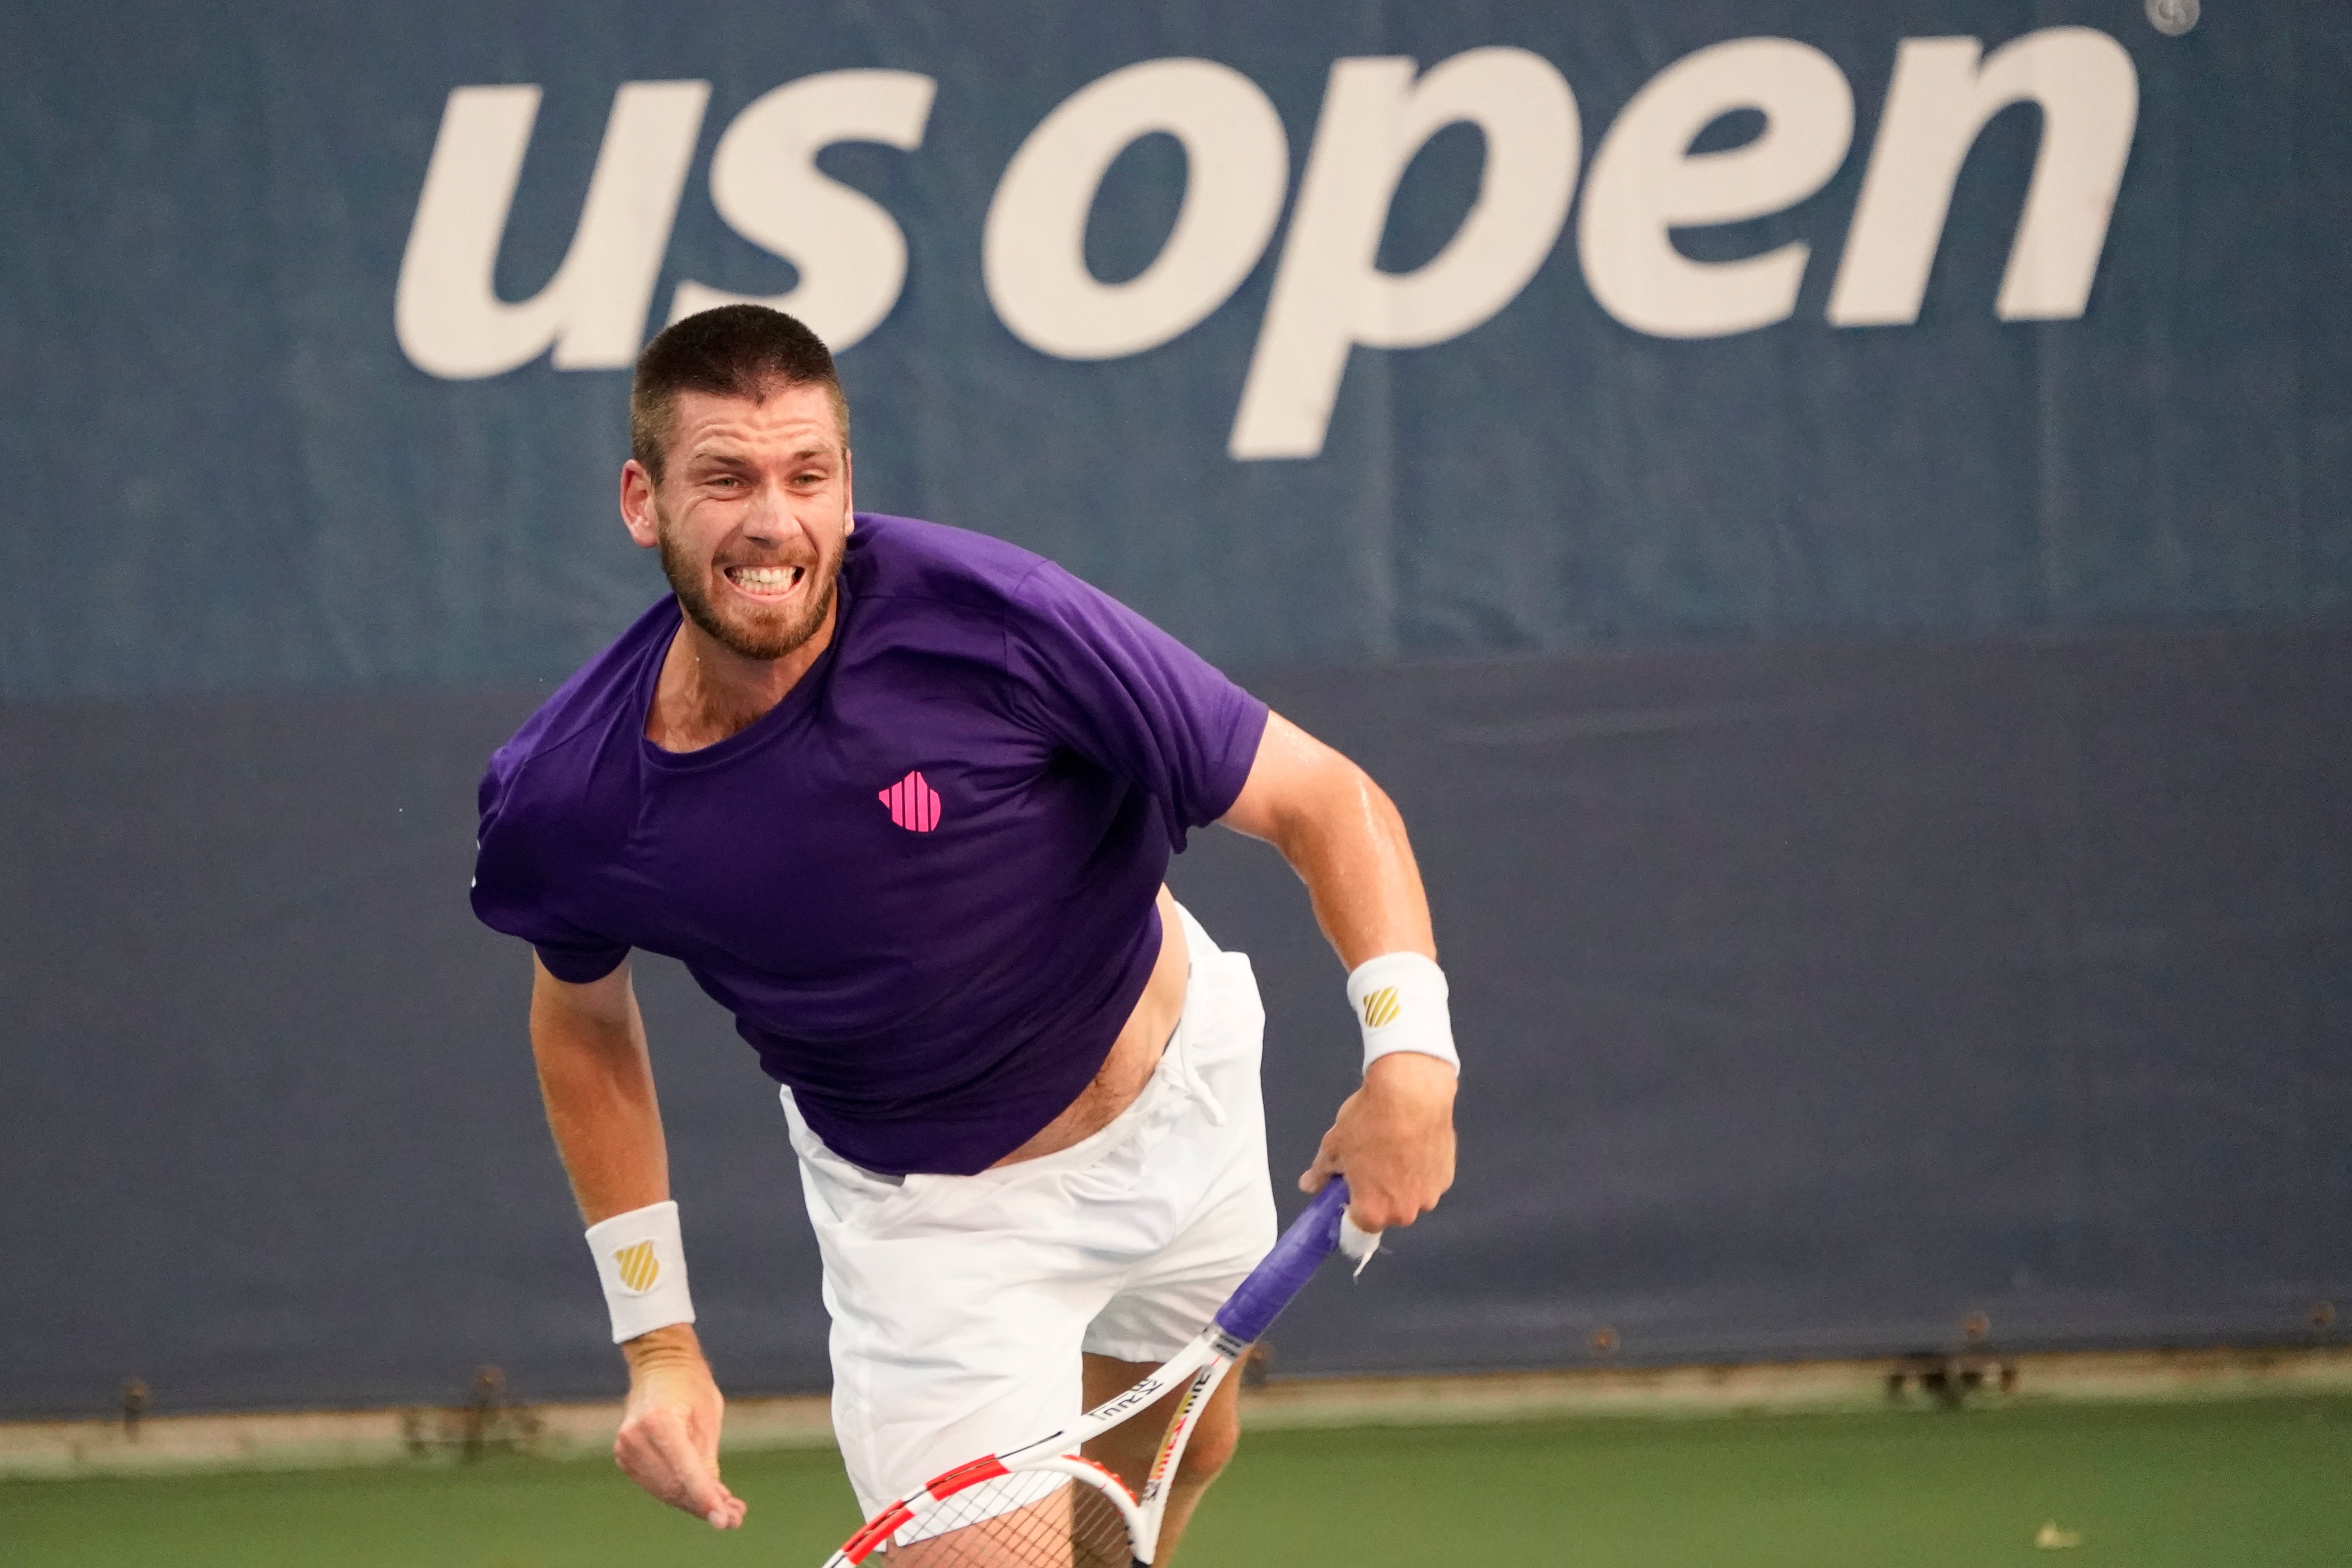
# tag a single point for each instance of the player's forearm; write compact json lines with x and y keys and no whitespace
{"x":1358,"y":865}
{"x":597,"y":1081}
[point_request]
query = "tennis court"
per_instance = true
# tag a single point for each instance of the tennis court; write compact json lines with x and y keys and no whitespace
{"x":2254,"y":1482}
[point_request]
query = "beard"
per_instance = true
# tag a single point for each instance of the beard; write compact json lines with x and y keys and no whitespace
{"x":766,"y":633}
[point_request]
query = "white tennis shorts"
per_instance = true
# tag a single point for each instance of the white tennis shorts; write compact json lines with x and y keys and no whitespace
{"x":961,"y":1303}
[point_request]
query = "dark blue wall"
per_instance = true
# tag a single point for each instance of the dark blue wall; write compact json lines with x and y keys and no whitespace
{"x":1881,"y":786}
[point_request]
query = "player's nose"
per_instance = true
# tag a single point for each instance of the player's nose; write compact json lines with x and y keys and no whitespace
{"x":770,"y":518}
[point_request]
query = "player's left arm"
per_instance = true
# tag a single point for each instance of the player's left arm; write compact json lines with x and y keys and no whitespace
{"x":1393,"y":1137}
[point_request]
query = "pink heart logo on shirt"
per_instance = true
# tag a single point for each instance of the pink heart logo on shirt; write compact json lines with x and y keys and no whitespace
{"x":914,"y":804}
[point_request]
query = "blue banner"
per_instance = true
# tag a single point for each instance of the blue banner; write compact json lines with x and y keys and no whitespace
{"x":1340,"y":335}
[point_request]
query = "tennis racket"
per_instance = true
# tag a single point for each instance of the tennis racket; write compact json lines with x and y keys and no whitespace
{"x":1040,"y":1505}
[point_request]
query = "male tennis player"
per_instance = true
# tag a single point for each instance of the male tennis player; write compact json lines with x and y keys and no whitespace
{"x":901,"y":797}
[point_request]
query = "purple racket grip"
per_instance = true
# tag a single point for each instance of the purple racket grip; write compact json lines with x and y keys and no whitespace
{"x":1259,"y":1299}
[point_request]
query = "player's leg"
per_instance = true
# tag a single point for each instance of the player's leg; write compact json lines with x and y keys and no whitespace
{"x":1128,"y":1448}
{"x":960,"y":1305}
{"x":1071,"y":1528}
{"x":957,"y":1318}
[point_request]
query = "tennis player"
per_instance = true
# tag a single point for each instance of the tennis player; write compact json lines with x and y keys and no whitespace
{"x":901,"y":798}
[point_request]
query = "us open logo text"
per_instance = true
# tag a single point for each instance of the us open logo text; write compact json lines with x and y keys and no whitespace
{"x":1642,"y":182}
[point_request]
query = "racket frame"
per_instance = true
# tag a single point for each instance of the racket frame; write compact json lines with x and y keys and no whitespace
{"x":1197,"y":1369}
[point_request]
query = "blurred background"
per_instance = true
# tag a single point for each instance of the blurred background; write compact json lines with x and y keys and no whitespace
{"x":1833,"y":521}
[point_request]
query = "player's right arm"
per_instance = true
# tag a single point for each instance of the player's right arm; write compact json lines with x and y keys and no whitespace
{"x":596,"y":1077}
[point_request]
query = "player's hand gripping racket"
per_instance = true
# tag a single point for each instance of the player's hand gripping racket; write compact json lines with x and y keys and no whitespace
{"x":1040,"y":1505}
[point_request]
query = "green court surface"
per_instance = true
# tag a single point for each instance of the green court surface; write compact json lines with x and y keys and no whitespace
{"x":2265,"y":1482}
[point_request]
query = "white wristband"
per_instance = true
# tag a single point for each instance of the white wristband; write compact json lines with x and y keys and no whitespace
{"x":1400,"y":1000}
{"x":643,"y":1265}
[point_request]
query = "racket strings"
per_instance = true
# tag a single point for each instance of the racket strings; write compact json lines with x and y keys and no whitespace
{"x":1005,"y":1523}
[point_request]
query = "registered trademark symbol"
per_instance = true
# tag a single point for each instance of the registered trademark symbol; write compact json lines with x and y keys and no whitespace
{"x":2173,"y":18}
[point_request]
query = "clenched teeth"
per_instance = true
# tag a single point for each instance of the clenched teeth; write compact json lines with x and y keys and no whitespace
{"x":765,"y":579}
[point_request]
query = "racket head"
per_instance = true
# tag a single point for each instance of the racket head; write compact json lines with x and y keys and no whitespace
{"x":1056,"y":1511}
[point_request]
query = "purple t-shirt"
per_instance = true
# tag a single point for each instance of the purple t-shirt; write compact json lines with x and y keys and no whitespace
{"x":923,"y":883}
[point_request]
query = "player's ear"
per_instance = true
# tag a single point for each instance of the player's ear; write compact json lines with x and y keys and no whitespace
{"x":637,"y":513}
{"x":848,"y":492}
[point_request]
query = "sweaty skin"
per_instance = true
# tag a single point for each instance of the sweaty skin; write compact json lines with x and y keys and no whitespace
{"x":752,"y":514}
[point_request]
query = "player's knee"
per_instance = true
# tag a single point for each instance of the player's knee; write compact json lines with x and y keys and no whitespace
{"x":1210,"y":1449}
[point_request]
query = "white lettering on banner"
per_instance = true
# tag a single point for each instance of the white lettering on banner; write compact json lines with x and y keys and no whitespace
{"x":1236,"y":169}
{"x":850,"y":254}
{"x":1328,"y":293}
{"x":1645,"y":182}
{"x":446,"y":312}
{"x":1940,"y":99}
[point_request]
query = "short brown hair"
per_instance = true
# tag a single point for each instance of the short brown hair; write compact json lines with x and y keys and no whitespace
{"x":735,"y":350}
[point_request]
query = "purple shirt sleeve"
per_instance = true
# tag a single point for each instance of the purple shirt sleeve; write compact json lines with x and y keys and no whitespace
{"x":510,"y":894}
{"x":1100,"y":679}
{"x":579,"y":963}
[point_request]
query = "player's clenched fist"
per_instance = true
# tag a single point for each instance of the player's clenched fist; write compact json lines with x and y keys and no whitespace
{"x":1394,"y":1140}
{"x":669,"y":1442}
